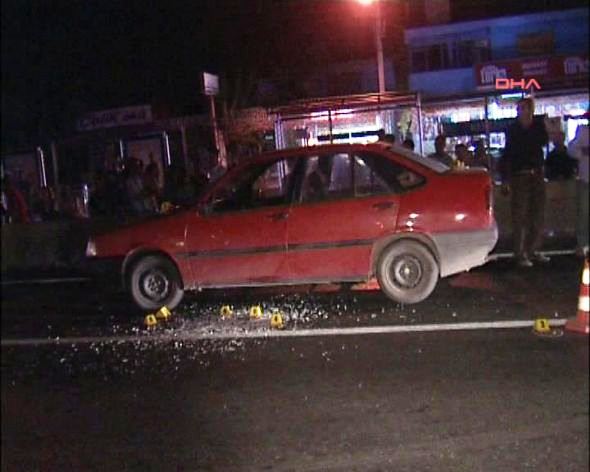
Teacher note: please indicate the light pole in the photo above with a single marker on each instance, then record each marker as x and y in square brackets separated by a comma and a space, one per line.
[378, 42]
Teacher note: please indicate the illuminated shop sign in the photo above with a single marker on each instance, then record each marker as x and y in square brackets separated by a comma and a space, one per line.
[116, 117]
[509, 84]
[552, 70]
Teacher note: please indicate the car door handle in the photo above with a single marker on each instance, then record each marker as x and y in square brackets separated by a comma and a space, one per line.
[383, 205]
[280, 216]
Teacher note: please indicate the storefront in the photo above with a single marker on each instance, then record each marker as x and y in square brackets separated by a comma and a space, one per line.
[349, 119]
[467, 120]
[558, 84]
[103, 143]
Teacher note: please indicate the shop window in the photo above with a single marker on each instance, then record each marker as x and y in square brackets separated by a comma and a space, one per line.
[482, 51]
[436, 57]
[468, 53]
[430, 58]
[419, 63]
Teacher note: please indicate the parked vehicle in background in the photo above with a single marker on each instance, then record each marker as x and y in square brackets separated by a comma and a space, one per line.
[337, 213]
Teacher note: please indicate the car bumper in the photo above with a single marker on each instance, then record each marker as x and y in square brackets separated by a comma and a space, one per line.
[463, 251]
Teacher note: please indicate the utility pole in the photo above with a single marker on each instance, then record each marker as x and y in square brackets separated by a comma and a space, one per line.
[379, 45]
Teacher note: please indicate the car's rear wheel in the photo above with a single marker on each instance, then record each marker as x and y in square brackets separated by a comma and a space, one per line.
[154, 282]
[407, 272]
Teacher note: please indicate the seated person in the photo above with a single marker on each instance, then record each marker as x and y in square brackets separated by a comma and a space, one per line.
[318, 182]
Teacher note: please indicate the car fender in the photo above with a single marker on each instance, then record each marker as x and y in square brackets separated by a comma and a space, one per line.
[382, 243]
[136, 253]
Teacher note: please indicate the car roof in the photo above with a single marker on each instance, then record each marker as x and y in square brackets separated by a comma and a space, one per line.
[326, 149]
[313, 150]
[321, 150]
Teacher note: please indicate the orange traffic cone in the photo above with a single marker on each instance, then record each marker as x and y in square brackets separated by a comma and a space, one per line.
[580, 322]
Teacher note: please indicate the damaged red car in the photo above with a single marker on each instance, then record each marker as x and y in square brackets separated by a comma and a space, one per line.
[325, 214]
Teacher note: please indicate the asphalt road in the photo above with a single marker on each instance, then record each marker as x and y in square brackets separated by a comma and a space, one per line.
[174, 398]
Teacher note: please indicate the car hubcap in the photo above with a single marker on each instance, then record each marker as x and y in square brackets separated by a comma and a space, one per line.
[406, 271]
[155, 285]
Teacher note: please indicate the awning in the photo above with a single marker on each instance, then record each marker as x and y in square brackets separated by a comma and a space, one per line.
[364, 102]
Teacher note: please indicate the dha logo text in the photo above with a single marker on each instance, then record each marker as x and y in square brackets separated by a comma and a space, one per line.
[509, 84]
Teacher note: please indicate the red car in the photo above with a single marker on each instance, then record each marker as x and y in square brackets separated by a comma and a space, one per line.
[337, 213]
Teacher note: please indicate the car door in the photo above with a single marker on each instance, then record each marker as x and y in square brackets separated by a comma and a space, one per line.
[331, 230]
[241, 238]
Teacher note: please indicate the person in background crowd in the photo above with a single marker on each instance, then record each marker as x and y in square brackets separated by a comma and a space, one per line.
[178, 190]
[115, 191]
[523, 177]
[559, 164]
[199, 182]
[216, 173]
[17, 210]
[3, 206]
[70, 204]
[134, 188]
[23, 184]
[44, 205]
[318, 182]
[206, 157]
[480, 156]
[152, 168]
[579, 150]
[151, 188]
[100, 198]
[440, 144]
[409, 143]
[382, 137]
[462, 154]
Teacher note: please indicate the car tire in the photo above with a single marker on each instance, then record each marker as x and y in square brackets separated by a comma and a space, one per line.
[407, 272]
[154, 282]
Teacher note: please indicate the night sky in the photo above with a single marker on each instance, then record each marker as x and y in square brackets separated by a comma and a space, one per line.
[63, 58]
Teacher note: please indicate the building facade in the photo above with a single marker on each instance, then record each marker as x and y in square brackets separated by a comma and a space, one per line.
[471, 74]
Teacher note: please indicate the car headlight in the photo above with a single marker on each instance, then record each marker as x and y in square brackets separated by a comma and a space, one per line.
[91, 248]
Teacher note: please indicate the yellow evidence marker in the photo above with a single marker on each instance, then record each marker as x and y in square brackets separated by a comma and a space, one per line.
[541, 326]
[255, 312]
[163, 313]
[276, 320]
[226, 311]
[150, 320]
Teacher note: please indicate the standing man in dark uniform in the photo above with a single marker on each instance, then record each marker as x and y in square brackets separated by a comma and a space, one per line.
[523, 178]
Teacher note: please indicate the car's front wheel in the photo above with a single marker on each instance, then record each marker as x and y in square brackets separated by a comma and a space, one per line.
[154, 282]
[407, 272]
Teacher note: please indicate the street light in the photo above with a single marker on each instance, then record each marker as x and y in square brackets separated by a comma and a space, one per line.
[378, 41]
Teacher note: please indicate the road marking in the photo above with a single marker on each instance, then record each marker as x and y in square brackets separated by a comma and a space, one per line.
[201, 336]
[509, 255]
[46, 281]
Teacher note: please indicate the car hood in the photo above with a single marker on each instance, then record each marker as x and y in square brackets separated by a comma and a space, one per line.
[162, 231]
